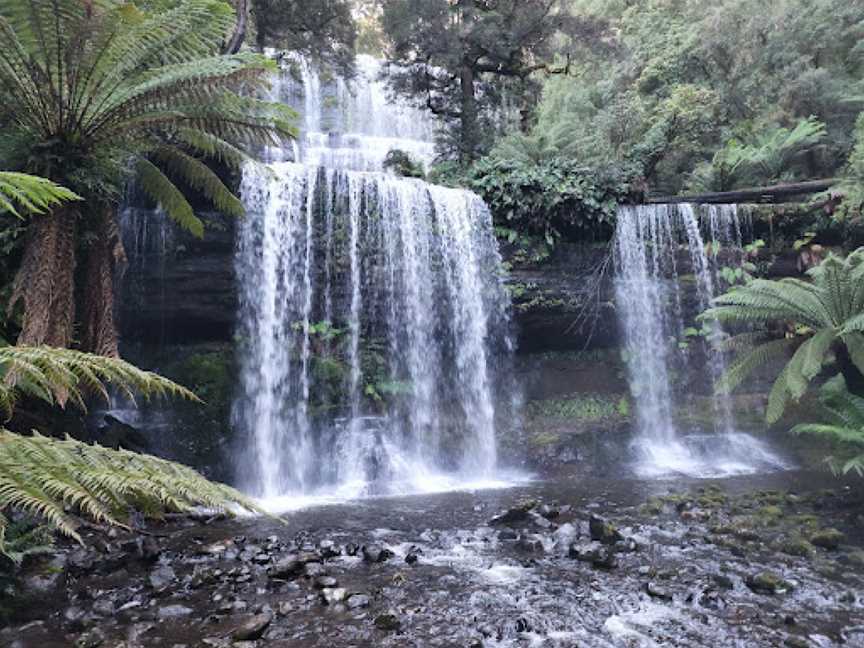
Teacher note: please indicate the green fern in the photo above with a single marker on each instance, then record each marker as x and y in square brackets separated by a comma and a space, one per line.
[826, 311]
[58, 376]
[32, 193]
[120, 81]
[58, 480]
[843, 426]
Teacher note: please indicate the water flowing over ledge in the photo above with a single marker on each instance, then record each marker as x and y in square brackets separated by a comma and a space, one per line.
[650, 298]
[373, 316]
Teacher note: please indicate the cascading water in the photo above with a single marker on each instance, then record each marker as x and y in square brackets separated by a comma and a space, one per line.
[652, 302]
[372, 308]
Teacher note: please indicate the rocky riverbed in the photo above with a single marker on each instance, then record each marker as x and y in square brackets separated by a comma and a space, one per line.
[740, 562]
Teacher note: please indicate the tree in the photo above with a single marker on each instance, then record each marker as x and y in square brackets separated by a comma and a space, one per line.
[94, 94]
[324, 30]
[822, 322]
[448, 53]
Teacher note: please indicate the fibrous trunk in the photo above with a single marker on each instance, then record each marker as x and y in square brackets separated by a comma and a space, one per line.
[45, 283]
[105, 256]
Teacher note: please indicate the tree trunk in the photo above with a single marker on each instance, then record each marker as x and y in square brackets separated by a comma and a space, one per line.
[105, 257]
[851, 373]
[236, 41]
[468, 113]
[45, 282]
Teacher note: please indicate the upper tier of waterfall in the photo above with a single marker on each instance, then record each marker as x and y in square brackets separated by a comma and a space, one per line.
[373, 316]
[655, 247]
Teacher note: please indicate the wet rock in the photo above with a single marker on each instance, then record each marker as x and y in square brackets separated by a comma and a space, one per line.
[595, 552]
[91, 639]
[161, 577]
[81, 561]
[549, 512]
[657, 591]
[252, 628]
[103, 607]
[351, 549]
[388, 622]
[539, 521]
[313, 570]
[286, 569]
[325, 581]
[173, 611]
[602, 530]
[767, 582]
[357, 601]
[722, 581]
[413, 555]
[332, 595]
[508, 535]
[796, 642]
[519, 514]
[627, 545]
[75, 618]
[376, 554]
[328, 549]
[827, 538]
[530, 545]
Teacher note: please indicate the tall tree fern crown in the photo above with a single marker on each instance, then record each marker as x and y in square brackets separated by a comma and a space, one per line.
[93, 90]
[823, 324]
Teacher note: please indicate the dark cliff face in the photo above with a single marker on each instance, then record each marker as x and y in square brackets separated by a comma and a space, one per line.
[180, 289]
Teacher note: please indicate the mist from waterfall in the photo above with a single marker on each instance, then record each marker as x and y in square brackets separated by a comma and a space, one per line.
[373, 317]
[657, 248]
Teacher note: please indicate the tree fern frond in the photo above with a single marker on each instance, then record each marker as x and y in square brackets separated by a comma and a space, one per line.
[42, 476]
[757, 357]
[59, 375]
[200, 177]
[816, 350]
[156, 185]
[33, 193]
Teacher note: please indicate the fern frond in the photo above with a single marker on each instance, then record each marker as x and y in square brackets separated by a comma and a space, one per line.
[43, 477]
[34, 194]
[156, 185]
[757, 357]
[60, 375]
[200, 177]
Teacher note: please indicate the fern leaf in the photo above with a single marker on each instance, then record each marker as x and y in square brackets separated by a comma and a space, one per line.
[163, 191]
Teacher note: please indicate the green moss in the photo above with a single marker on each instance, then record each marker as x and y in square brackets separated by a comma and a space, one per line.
[797, 546]
[828, 538]
[583, 408]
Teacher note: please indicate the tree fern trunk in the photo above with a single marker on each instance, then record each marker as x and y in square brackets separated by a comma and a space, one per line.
[45, 282]
[104, 258]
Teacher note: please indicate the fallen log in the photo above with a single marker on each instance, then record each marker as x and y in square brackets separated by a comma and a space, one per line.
[773, 194]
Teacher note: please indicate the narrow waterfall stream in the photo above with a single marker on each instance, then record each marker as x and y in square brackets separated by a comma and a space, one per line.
[372, 309]
[653, 302]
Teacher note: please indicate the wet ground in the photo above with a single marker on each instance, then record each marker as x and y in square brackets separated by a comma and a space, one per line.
[774, 560]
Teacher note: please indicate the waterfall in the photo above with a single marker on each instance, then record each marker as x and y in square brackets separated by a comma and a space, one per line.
[660, 250]
[372, 314]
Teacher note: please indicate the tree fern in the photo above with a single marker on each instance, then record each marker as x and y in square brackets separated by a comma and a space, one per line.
[32, 193]
[94, 93]
[826, 313]
[58, 480]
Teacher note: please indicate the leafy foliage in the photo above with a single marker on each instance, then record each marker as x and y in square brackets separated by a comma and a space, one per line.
[844, 425]
[768, 159]
[43, 477]
[58, 376]
[46, 477]
[853, 177]
[553, 198]
[32, 193]
[823, 325]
